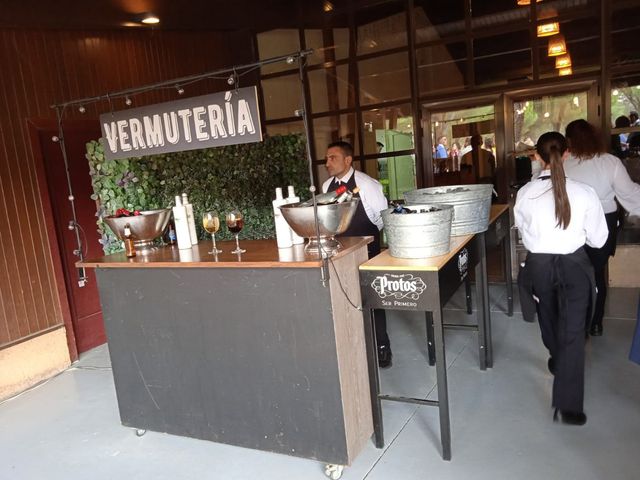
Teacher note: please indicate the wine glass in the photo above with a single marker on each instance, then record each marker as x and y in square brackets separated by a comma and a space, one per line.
[235, 222]
[211, 223]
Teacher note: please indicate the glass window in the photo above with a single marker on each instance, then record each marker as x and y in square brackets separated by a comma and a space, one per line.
[285, 128]
[396, 174]
[582, 40]
[535, 116]
[452, 146]
[490, 15]
[441, 67]
[435, 20]
[384, 78]
[275, 43]
[330, 88]
[625, 98]
[387, 129]
[282, 96]
[381, 28]
[502, 58]
[328, 45]
[625, 32]
[331, 129]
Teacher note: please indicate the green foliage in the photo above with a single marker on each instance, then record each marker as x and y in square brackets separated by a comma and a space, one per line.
[224, 178]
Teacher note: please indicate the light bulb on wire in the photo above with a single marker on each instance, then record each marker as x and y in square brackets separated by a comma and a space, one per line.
[81, 109]
[127, 101]
[180, 90]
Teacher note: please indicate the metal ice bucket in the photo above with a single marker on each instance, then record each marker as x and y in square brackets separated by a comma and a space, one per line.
[145, 228]
[333, 219]
[471, 204]
[423, 234]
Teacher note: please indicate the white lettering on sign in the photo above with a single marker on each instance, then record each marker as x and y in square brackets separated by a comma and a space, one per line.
[399, 286]
[210, 121]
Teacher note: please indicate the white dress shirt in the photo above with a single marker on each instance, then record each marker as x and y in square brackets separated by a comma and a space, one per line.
[609, 178]
[535, 217]
[371, 196]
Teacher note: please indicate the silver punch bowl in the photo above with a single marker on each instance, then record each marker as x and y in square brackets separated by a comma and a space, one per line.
[145, 228]
[333, 219]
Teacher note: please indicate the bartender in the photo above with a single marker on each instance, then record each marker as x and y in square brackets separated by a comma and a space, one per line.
[366, 221]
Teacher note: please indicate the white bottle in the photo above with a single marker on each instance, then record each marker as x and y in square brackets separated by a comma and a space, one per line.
[192, 222]
[283, 232]
[182, 224]
[292, 198]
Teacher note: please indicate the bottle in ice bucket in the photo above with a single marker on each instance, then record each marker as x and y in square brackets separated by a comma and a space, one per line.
[129, 249]
[326, 198]
[348, 195]
[401, 209]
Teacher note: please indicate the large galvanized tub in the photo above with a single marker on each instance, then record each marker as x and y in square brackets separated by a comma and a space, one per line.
[425, 233]
[471, 204]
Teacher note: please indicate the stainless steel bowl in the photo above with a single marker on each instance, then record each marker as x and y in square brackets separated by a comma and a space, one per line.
[333, 220]
[145, 228]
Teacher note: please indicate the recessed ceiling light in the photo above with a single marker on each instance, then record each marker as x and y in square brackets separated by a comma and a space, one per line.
[150, 19]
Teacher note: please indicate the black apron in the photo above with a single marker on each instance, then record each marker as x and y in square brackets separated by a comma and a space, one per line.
[360, 225]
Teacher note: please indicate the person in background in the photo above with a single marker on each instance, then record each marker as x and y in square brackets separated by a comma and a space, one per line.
[589, 163]
[556, 217]
[455, 156]
[619, 141]
[441, 148]
[633, 118]
[467, 147]
[481, 161]
[367, 220]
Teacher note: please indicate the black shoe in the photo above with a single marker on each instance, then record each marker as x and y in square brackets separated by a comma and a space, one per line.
[384, 356]
[551, 365]
[570, 418]
[596, 330]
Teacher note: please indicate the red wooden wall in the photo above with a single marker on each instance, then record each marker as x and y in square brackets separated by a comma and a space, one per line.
[39, 68]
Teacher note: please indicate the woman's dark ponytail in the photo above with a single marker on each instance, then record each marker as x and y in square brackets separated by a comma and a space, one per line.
[551, 146]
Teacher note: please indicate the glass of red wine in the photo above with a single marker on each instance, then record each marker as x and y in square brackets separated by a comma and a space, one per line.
[235, 222]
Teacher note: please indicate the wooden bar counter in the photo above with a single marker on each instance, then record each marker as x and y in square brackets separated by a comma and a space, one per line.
[248, 350]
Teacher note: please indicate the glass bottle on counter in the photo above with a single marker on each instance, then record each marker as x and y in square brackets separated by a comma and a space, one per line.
[129, 248]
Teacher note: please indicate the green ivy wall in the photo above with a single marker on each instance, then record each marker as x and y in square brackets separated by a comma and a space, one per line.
[237, 176]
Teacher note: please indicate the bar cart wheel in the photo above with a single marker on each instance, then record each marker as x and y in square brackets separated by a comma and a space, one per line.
[334, 472]
[140, 432]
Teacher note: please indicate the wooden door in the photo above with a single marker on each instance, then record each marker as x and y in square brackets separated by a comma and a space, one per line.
[83, 301]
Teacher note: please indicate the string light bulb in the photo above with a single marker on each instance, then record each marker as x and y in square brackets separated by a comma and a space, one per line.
[231, 80]
[81, 109]
[127, 101]
[557, 46]
[563, 61]
[548, 29]
[180, 90]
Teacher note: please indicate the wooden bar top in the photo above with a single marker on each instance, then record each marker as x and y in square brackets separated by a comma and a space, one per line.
[497, 210]
[259, 254]
[384, 261]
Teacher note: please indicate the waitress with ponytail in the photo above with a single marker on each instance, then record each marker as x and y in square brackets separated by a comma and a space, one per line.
[557, 217]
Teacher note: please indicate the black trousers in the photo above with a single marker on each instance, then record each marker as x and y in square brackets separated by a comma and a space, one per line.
[599, 258]
[564, 293]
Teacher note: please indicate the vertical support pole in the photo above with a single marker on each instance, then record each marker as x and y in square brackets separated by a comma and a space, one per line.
[508, 278]
[431, 353]
[484, 314]
[443, 392]
[467, 293]
[374, 379]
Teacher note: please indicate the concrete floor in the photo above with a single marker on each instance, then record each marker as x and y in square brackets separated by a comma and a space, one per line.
[68, 428]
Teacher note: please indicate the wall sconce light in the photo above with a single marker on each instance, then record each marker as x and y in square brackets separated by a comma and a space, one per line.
[557, 46]
[565, 71]
[527, 2]
[150, 19]
[563, 61]
[548, 29]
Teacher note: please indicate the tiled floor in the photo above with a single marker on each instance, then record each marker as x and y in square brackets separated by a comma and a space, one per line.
[69, 429]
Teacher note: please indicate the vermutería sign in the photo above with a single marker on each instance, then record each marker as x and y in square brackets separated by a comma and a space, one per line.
[223, 118]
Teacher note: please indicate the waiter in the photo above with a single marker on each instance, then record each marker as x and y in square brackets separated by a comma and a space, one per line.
[557, 217]
[366, 221]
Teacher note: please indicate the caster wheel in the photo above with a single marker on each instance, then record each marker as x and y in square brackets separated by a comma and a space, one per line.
[334, 472]
[140, 432]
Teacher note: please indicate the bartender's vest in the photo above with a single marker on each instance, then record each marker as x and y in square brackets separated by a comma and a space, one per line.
[360, 224]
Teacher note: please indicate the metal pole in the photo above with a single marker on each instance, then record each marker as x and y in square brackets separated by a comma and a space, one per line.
[73, 225]
[324, 269]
